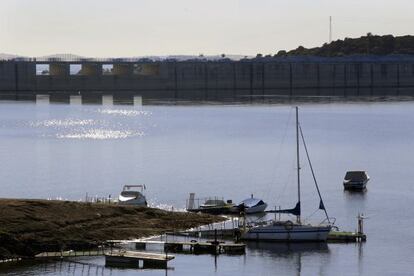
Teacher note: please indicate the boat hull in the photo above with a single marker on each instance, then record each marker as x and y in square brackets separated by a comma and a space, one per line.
[355, 185]
[256, 209]
[212, 210]
[140, 201]
[288, 233]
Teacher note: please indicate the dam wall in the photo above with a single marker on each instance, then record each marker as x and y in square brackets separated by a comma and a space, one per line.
[210, 80]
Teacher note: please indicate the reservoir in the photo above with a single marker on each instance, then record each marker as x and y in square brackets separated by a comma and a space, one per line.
[65, 151]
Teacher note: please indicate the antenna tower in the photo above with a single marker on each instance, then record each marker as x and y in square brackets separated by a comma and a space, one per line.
[330, 29]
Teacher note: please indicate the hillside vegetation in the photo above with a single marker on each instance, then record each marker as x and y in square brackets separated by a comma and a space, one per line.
[365, 45]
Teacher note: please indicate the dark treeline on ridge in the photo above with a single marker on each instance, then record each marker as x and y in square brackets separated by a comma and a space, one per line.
[365, 45]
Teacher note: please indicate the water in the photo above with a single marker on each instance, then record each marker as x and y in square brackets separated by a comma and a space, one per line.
[64, 151]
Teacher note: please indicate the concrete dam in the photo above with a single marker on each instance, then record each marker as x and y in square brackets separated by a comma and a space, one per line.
[204, 80]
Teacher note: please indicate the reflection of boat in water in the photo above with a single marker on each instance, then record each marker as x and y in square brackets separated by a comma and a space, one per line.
[133, 195]
[292, 254]
[289, 231]
[356, 180]
[281, 248]
[209, 206]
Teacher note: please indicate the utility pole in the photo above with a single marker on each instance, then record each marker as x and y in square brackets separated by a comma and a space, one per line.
[330, 29]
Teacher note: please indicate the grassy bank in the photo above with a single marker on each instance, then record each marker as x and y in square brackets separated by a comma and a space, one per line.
[31, 226]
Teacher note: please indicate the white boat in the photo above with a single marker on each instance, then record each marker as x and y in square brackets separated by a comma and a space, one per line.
[214, 205]
[288, 231]
[133, 195]
[251, 206]
[356, 180]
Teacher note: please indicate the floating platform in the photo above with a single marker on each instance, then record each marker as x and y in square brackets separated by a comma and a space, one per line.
[345, 237]
[11, 260]
[135, 259]
[70, 253]
[333, 237]
[196, 247]
[221, 233]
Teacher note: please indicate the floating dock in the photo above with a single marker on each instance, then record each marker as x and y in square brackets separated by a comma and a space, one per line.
[69, 253]
[214, 247]
[220, 233]
[137, 259]
[333, 237]
[121, 258]
[11, 260]
[345, 237]
[209, 247]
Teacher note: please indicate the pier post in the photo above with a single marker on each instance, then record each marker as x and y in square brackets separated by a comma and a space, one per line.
[361, 224]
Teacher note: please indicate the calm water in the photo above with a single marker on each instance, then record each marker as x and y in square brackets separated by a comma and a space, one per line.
[51, 151]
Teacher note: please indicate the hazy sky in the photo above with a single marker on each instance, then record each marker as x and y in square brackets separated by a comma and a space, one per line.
[162, 27]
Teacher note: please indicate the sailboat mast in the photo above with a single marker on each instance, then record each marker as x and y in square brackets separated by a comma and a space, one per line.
[298, 159]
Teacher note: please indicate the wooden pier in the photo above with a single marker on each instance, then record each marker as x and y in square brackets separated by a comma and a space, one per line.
[196, 247]
[69, 253]
[333, 237]
[10, 260]
[117, 257]
[345, 237]
[220, 233]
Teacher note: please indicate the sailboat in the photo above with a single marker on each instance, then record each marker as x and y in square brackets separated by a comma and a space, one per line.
[288, 231]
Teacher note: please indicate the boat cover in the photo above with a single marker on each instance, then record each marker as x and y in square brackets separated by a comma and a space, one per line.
[251, 202]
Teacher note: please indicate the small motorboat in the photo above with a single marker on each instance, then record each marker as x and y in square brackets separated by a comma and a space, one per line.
[213, 206]
[250, 206]
[133, 195]
[356, 180]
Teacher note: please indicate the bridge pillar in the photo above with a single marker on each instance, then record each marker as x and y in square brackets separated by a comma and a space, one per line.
[42, 99]
[107, 100]
[75, 99]
[138, 100]
[59, 69]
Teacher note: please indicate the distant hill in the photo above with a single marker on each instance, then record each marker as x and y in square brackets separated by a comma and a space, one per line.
[73, 57]
[61, 57]
[369, 45]
[4, 56]
[365, 45]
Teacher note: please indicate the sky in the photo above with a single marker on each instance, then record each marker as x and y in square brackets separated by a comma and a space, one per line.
[108, 28]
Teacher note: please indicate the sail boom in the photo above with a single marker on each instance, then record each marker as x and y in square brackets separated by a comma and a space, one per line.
[295, 211]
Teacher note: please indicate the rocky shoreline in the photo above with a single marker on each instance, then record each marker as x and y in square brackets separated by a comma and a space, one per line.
[28, 227]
